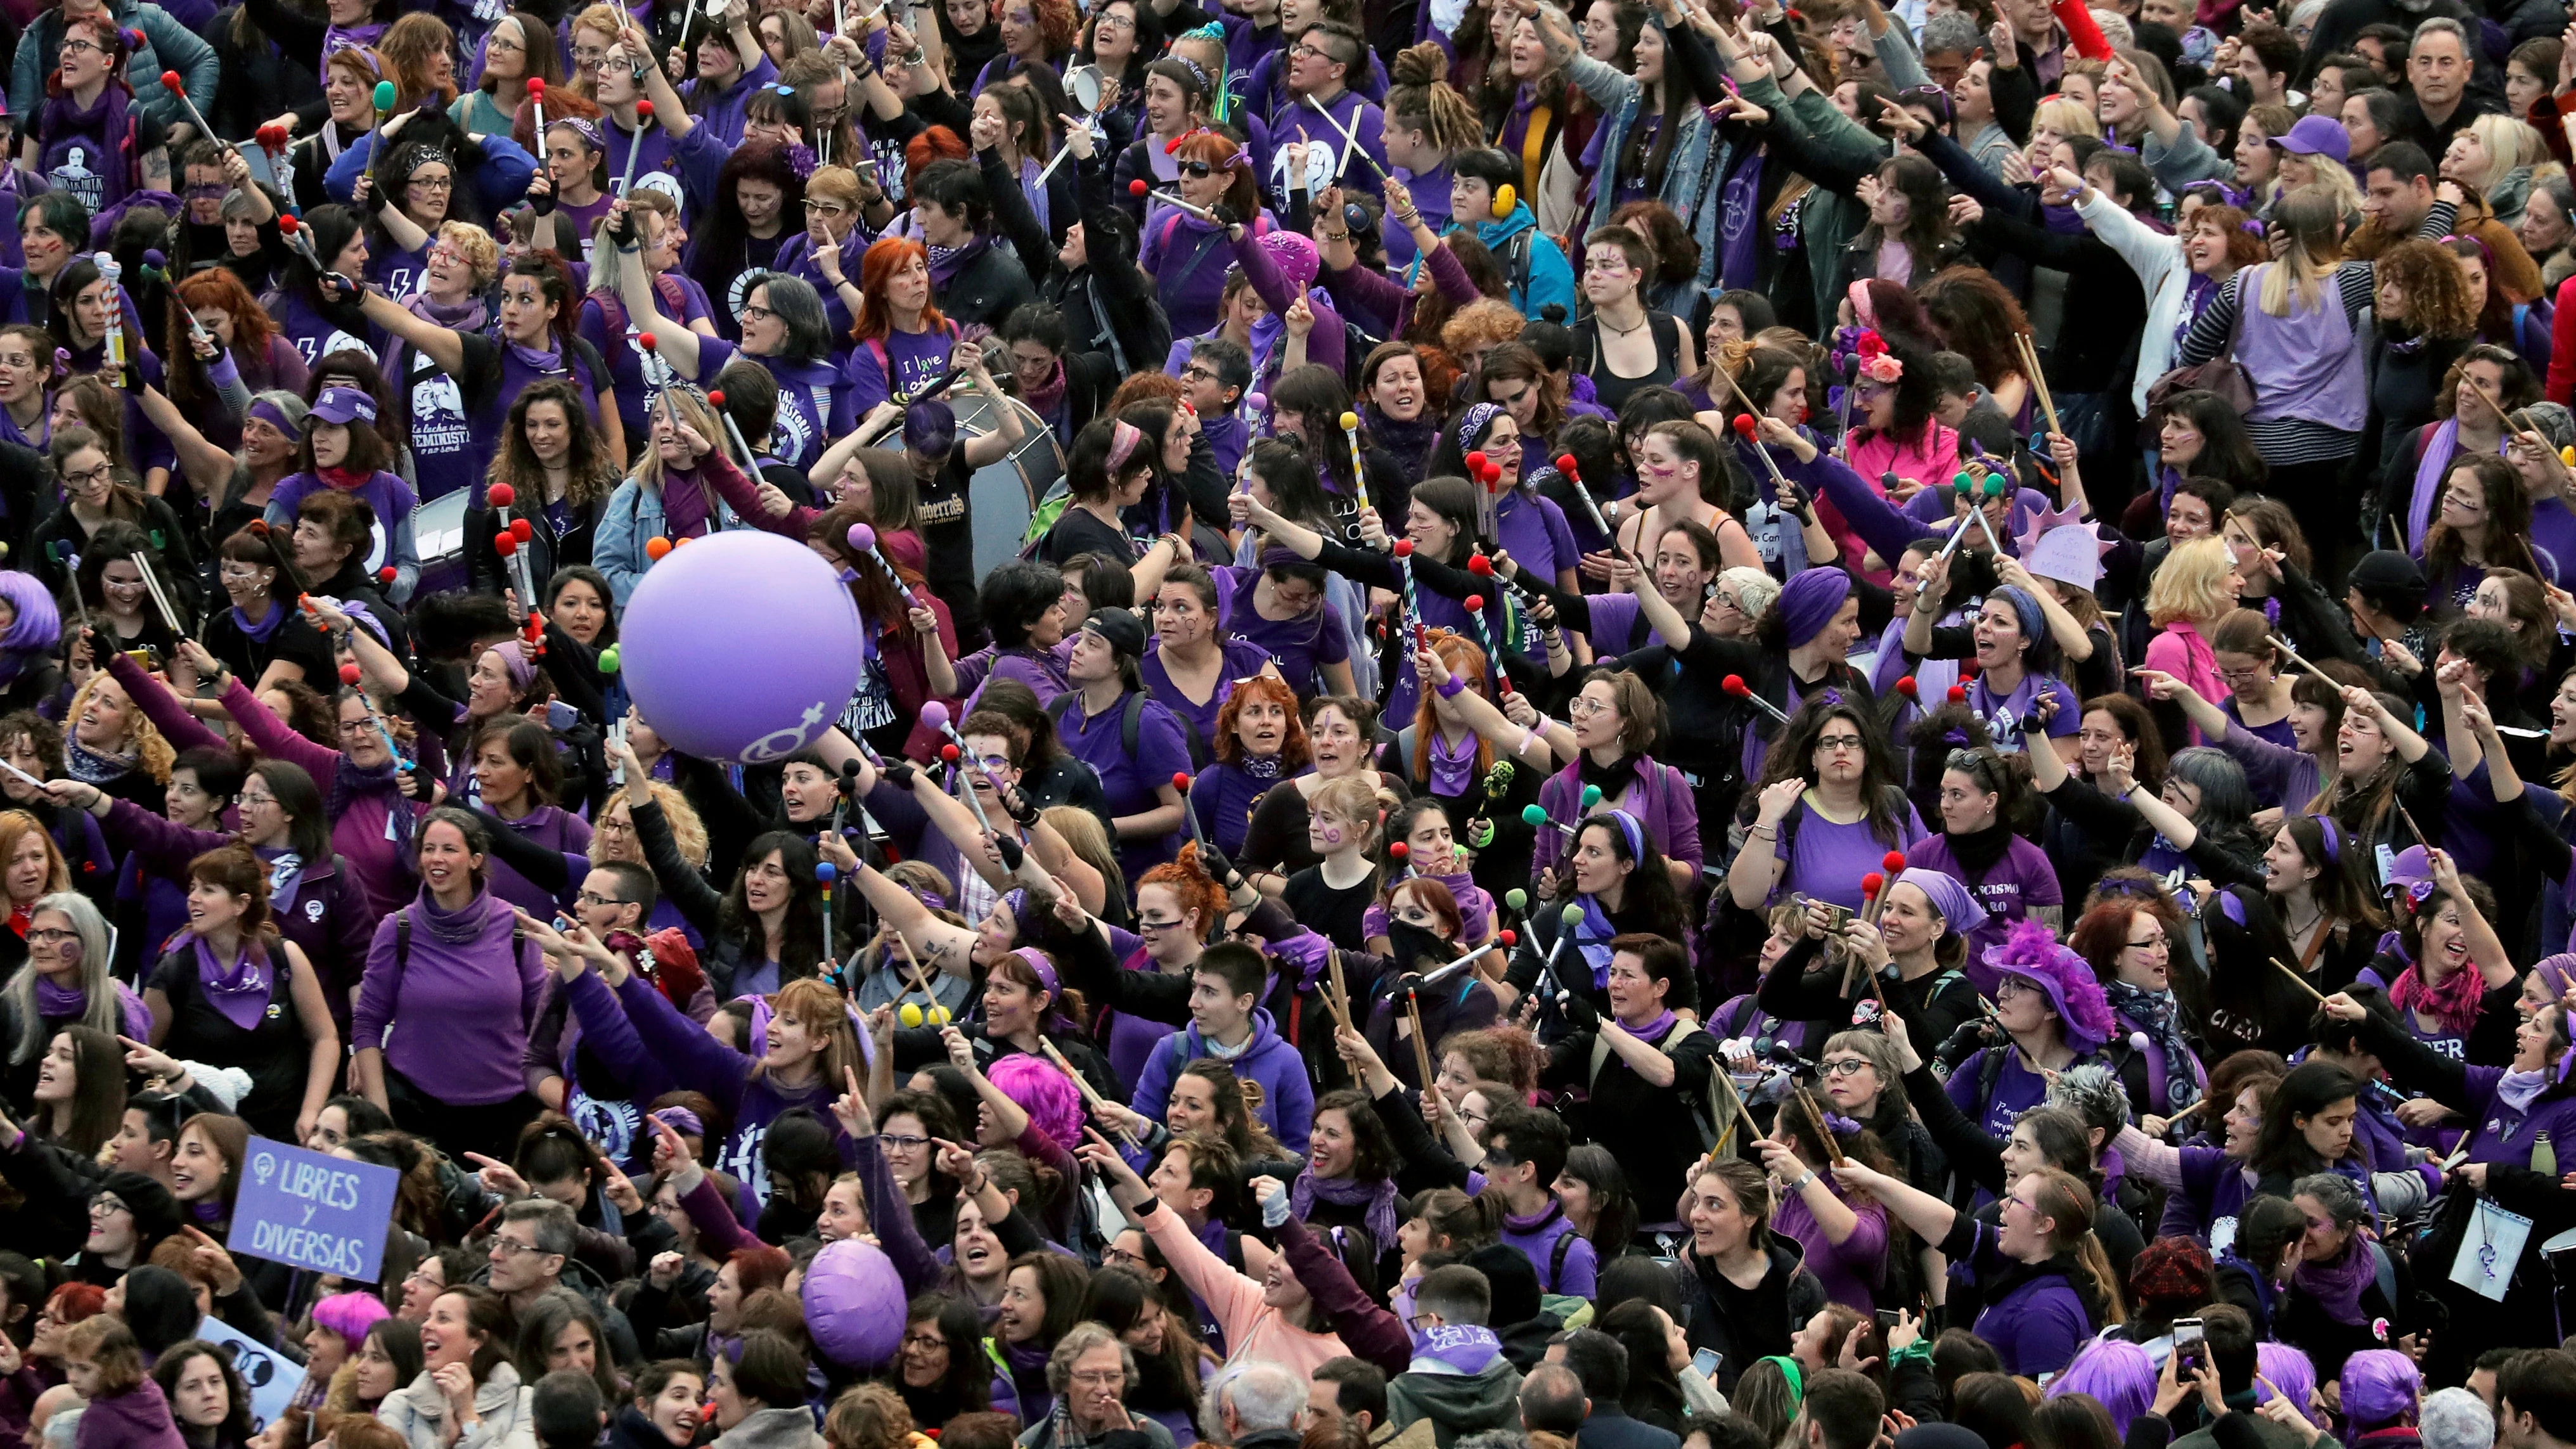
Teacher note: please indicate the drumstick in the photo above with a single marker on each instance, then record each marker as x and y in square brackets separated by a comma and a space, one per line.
[2421, 838]
[1421, 1053]
[1823, 1129]
[2277, 642]
[2038, 382]
[2288, 971]
[912, 963]
[1099, 1108]
[1339, 997]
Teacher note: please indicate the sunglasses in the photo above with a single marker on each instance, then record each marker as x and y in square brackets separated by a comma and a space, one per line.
[1197, 170]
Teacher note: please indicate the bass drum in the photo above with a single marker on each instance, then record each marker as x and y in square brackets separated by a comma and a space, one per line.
[1006, 491]
[438, 530]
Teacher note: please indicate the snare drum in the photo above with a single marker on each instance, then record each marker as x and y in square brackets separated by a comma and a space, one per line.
[2559, 1253]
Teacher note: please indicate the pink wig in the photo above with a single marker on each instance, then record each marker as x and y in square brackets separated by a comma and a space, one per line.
[350, 1315]
[1053, 1103]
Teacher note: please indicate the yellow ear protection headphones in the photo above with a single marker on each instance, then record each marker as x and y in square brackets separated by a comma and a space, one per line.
[1505, 199]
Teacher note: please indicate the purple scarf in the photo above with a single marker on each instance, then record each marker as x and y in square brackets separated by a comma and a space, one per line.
[1469, 1348]
[240, 991]
[466, 316]
[684, 503]
[56, 1002]
[2337, 1285]
[1379, 1196]
[2429, 470]
[261, 631]
[549, 361]
[947, 262]
[1452, 775]
[338, 38]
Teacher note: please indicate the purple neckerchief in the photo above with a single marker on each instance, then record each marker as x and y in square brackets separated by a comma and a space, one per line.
[1654, 1030]
[2063, 220]
[2428, 482]
[947, 262]
[1452, 775]
[550, 360]
[2196, 294]
[261, 631]
[240, 991]
[1466, 1349]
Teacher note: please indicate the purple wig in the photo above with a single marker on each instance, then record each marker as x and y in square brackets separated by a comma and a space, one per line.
[2381, 1387]
[2289, 1370]
[36, 626]
[1053, 1103]
[350, 1315]
[2121, 1375]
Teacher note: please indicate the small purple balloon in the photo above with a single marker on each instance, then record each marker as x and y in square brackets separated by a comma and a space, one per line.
[862, 538]
[935, 715]
[1257, 401]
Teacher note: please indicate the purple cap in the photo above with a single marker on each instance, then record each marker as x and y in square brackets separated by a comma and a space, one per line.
[342, 405]
[2317, 136]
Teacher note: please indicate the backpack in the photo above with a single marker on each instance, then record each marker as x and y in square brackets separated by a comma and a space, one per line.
[1712, 1106]
[1131, 720]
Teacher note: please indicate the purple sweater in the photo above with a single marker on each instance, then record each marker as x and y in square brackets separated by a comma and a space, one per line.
[609, 1112]
[454, 1017]
[1536, 1238]
[1661, 800]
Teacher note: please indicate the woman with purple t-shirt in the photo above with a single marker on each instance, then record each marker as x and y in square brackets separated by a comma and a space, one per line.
[2210, 1185]
[344, 454]
[2012, 878]
[1193, 668]
[2050, 1014]
[1258, 740]
[1280, 609]
[2015, 692]
[1845, 1235]
[1830, 808]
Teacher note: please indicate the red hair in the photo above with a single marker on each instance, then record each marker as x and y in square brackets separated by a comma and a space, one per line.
[220, 289]
[885, 257]
[938, 143]
[1242, 193]
[1294, 749]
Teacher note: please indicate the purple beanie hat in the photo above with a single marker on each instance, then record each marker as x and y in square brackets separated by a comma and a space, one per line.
[2032, 953]
[2380, 1387]
[1808, 601]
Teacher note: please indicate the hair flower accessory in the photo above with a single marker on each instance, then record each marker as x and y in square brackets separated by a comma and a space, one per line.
[800, 159]
[1880, 367]
[1871, 344]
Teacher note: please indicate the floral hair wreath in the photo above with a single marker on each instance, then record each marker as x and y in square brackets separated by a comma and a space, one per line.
[1882, 367]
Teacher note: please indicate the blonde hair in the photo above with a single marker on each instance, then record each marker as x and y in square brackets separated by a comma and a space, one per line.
[151, 752]
[2334, 179]
[2509, 143]
[1754, 588]
[688, 832]
[1089, 839]
[482, 255]
[833, 183]
[2310, 219]
[2067, 117]
[689, 406]
[2192, 582]
[1487, 321]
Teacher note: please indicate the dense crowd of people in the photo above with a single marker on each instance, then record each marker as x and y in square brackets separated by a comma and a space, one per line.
[1697, 700]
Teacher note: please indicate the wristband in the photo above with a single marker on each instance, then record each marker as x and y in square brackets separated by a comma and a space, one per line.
[1451, 687]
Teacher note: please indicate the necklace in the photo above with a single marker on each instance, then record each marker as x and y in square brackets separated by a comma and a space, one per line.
[2316, 917]
[1642, 320]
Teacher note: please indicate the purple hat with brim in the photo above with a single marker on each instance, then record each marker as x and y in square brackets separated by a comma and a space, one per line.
[2031, 952]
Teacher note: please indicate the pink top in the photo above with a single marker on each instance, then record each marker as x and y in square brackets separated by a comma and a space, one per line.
[1253, 1329]
[2181, 652]
[1929, 459]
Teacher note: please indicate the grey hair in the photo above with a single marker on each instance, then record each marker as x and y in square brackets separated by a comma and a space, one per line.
[1083, 1339]
[2115, 28]
[1493, 1439]
[2439, 24]
[2307, 13]
[2455, 1419]
[1755, 588]
[554, 1220]
[103, 1006]
[2340, 1196]
[1948, 32]
[1266, 1397]
[2093, 1093]
[2226, 803]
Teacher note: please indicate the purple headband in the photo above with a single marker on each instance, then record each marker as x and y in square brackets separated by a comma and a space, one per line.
[274, 416]
[588, 131]
[1628, 827]
[759, 1024]
[1475, 420]
[514, 657]
[1045, 969]
[682, 1121]
[1198, 70]
[2334, 837]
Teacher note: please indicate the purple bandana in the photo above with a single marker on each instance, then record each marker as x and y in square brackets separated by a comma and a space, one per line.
[240, 991]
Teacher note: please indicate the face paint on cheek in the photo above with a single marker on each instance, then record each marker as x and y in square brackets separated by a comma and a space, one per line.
[1332, 837]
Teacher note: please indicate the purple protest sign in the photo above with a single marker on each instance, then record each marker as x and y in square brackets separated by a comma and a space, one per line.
[306, 1210]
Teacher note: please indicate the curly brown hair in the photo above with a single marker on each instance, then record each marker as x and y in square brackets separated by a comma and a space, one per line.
[2436, 290]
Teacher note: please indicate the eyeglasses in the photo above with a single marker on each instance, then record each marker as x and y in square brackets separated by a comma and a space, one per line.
[1114, 22]
[78, 46]
[925, 1341]
[512, 1247]
[1099, 1378]
[105, 1206]
[825, 208]
[1115, 1256]
[754, 312]
[1838, 742]
[90, 477]
[494, 42]
[594, 898]
[433, 183]
[902, 1142]
[1844, 1066]
[1196, 170]
[247, 800]
[50, 937]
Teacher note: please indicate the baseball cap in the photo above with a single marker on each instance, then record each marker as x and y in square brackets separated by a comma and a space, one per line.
[1124, 631]
[342, 405]
[2317, 136]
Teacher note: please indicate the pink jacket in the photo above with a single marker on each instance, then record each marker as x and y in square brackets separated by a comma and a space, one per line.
[1929, 460]
[1253, 1329]
[2180, 651]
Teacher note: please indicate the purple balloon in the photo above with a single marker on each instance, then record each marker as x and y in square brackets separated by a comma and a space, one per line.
[854, 1304]
[744, 648]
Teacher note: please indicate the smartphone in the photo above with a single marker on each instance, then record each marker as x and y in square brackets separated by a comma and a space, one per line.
[1705, 1362]
[147, 656]
[2188, 1336]
[1890, 1317]
[1839, 918]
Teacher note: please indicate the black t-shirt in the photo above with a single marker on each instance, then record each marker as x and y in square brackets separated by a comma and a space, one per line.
[1080, 531]
[1333, 914]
